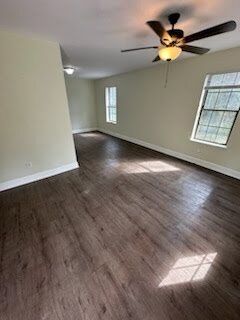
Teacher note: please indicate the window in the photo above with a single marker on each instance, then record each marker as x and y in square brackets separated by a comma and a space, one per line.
[218, 110]
[111, 104]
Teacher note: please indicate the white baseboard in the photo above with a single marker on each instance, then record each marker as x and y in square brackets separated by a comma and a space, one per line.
[182, 156]
[83, 130]
[37, 176]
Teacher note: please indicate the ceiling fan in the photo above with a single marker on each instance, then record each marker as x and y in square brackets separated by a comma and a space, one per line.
[174, 42]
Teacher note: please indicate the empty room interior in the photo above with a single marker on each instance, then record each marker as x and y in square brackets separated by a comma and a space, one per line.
[120, 160]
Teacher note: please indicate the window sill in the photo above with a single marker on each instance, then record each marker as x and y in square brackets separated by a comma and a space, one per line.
[209, 143]
[110, 122]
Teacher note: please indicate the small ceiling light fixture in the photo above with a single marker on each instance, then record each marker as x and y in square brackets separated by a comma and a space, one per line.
[69, 70]
[169, 53]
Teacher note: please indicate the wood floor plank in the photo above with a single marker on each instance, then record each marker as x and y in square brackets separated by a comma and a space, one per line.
[131, 234]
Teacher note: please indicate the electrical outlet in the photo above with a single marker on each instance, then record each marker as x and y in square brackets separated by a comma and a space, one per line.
[28, 164]
[198, 150]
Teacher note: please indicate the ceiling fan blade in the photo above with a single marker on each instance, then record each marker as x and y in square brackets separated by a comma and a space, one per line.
[156, 59]
[213, 31]
[194, 49]
[158, 28]
[142, 48]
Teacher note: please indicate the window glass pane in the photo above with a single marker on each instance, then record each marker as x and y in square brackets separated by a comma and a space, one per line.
[111, 97]
[215, 80]
[227, 79]
[228, 119]
[112, 114]
[222, 100]
[205, 117]
[109, 115]
[211, 99]
[211, 134]
[107, 97]
[222, 136]
[114, 96]
[234, 101]
[216, 118]
[114, 117]
[201, 132]
[237, 82]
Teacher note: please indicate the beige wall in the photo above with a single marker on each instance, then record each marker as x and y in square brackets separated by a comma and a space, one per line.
[34, 119]
[165, 116]
[81, 101]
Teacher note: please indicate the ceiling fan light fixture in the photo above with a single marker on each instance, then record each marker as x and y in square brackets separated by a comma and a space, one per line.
[174, 41]
[69, 70]
[169, 53]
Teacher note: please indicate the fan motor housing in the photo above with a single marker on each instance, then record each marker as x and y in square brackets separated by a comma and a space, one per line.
[176, 33]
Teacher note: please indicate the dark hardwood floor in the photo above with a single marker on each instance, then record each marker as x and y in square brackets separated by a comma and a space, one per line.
[131, 234]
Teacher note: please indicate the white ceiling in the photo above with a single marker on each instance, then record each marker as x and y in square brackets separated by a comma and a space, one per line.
[92, 32]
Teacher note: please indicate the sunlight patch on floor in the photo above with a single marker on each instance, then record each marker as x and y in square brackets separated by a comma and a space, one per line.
[90, 134]
[189, 269]
[152, 166]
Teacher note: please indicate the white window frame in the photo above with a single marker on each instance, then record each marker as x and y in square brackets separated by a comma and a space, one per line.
[107, 107]
[201, 106]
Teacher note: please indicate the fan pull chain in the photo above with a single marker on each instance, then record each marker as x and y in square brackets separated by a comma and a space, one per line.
[167, 72]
